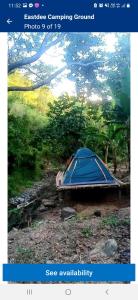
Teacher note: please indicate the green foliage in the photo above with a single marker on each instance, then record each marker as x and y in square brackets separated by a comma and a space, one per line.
[84, 48]
[87, 232]
[14, 217]
[20, 179]
[26, 147]
[24, 255]
[36, 224]
[66, 126]
[112, 221]
[125, 222]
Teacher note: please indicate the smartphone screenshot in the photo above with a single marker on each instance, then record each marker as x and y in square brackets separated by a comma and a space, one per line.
[68, 162]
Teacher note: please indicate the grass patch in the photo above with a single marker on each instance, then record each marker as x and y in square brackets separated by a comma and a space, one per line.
[87, 232]
[20, 180]
[112, 221]
[36, 224]
[25, 255]
[125, 222]
[77, 218]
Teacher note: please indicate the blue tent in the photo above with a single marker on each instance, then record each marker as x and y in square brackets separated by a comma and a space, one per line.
[86, 168]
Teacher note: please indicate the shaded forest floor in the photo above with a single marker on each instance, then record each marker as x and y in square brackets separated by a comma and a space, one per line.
[80, 239]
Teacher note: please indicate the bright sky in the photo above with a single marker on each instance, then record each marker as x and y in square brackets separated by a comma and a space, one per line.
[55, 56]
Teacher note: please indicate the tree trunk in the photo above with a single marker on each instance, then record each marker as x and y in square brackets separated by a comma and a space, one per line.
[114, 160]
[106, 153]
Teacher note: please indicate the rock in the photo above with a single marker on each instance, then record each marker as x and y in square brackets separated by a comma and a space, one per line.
[26, 230]
[110, 247]
[67, 212]
[10, 241]
[48, 262]
[104, 249]
[97, 250]
[48, 203]
[97, 213]
[12, 261]
[15, 229]
[31, 194]
[124, 213]
[42, 208]
[125, 256]
[53, 198]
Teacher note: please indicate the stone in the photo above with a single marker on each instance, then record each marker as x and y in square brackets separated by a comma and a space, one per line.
[104, 249]
[53, 198]
[124, 213]
[48, 203]
[48, 262]
[126, 254]
[97, 213]
[10, 241]
[67, 212]
[98, 250]
[26, 230]
[12, 261]
[31, 194]
[110, 247]
[15, 229]
[42, 208]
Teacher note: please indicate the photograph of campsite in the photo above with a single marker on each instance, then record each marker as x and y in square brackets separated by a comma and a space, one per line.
[69, 148]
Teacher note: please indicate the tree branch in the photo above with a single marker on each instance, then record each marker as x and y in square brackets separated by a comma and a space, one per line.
[89, 64]
[35, 57]
[37, 85]
[48, 80]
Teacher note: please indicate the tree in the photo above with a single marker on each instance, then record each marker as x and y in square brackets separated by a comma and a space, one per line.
[66, 126]
[92, 63]
[21, 54]
[120, 87]
[85, 58]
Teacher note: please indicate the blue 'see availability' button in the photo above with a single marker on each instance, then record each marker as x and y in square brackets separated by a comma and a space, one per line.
[69, 272]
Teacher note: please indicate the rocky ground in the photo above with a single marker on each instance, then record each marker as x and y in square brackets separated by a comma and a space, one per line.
[77, 240]
[86, 232]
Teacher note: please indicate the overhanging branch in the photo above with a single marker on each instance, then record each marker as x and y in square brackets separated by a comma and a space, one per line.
[37, 85]
[36, 56]
[51, 77]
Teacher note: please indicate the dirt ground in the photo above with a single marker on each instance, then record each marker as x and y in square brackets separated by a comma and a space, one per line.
[80, 239]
